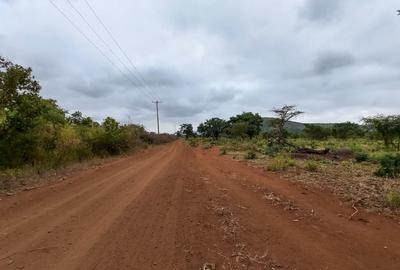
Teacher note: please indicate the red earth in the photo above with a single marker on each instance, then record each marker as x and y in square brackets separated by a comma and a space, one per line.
[177, 207]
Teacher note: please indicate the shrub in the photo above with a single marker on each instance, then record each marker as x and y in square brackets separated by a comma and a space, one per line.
[207, 146]
[389, 166]
[250, 155]
[312, 166]
[393, 199]
[361, 157]
[192, 142]
[272, 151]
[280, 163]
[222, 151]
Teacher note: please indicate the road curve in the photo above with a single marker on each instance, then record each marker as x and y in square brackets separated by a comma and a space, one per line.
[176, 207]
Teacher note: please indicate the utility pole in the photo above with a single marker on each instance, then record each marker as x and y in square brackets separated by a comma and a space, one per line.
[158, 119]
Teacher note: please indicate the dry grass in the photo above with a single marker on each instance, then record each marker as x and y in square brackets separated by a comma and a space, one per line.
[351, 180]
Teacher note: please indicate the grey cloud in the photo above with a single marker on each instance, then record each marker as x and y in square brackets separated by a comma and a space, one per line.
[329, 61]
[321, 10]
[208, 58]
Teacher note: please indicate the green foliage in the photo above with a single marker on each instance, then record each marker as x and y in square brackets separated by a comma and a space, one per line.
[312, 166]
[280, 163]
[317, 132]
[213, 128]
[35, 132]
[347, 130]
[192, 142]
[247, 124]
[272, 150]
[187, 131]
[389, 166]
[387, 127]
[239, 130]
[361, 156]
[393, 199]
[250, 155]
[278, 134]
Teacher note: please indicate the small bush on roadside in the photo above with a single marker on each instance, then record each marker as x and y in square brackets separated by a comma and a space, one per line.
[389, 166]
[192, 143]
[361, 157]
[393, 199]
[280, 163]
[312, 166]
[250, 155]
[207, 146]
[272, 151]
[222, 151]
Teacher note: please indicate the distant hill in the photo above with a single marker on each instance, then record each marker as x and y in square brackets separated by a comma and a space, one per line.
[292, 126]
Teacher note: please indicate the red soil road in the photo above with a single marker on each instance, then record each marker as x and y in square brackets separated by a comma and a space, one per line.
[176, 207]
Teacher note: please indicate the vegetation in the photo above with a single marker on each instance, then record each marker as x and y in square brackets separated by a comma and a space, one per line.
[213, 128]
[186, 130]
[280, 163]
[389, 166]
[35, 132]
[283, 115]
[359, 161]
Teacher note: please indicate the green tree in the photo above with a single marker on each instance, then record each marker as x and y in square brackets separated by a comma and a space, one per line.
[316, 132]
[388, 128]
[252, 123]
[283, 115]
[187, 130]
[347, 130]
[213, 128]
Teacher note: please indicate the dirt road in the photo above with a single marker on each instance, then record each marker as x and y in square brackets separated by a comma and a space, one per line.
[175, 207]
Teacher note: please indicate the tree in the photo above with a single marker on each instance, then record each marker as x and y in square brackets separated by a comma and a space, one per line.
[213, 128]
[347, 130]
[388, 128]
[316, 132]
[252, 123]
[283, 115]
[239, 129]
[187, 130]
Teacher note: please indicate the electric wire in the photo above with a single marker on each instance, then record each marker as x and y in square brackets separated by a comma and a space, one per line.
[96, 47]
[107, 46]
[121, 49]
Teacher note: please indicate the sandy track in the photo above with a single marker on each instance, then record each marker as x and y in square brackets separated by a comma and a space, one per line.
[175, 207]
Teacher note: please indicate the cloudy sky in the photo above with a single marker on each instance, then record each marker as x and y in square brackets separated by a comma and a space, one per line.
[337, 60]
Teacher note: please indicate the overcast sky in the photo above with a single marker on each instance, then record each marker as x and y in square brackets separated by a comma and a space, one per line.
[337, 60]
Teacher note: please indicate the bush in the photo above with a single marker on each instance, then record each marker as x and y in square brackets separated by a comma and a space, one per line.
[192, 143]
[361, 157]
[312, 166]
[393, 199]
[207, 146]
[280, 163]
[222, 151]
[389, 166]
[250, 155]
[272, 151]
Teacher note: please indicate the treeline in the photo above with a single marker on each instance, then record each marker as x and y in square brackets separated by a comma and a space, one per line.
[385, 128]
[35, 131]
[249, 125]
[245, 125]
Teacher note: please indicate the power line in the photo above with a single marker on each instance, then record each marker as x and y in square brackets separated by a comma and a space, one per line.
[106, 44]
[120, 47]
[94, 44]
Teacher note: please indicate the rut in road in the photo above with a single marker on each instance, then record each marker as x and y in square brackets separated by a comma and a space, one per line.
[176, 207]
